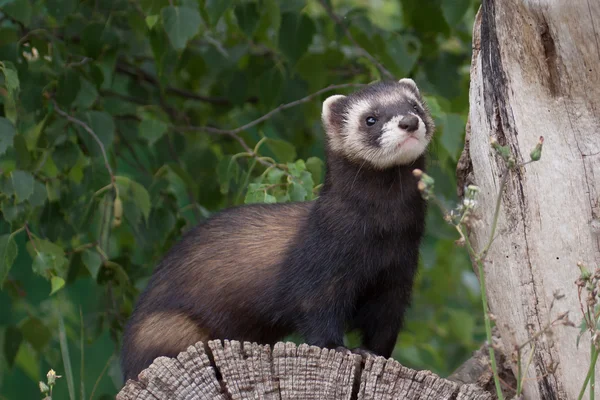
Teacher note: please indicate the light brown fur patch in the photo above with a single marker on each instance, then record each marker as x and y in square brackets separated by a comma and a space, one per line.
[172, 332]
[246, 256]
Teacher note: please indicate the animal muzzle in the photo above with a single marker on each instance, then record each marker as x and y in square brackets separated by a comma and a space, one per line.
[409, 123]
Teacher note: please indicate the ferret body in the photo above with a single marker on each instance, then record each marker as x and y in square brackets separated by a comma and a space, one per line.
[346, 260]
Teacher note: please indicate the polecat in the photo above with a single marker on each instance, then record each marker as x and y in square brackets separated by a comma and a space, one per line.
[343, 261]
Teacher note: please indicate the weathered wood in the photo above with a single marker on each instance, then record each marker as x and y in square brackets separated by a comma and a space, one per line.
[252, 371]
[535, 73]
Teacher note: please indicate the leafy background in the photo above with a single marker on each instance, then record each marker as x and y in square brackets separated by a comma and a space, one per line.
[163, 85]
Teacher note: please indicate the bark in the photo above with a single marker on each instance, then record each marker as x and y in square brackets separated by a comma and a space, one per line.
[536, 72]
[252, 371]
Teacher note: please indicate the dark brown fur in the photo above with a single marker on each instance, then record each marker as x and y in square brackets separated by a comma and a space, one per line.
[260, 272]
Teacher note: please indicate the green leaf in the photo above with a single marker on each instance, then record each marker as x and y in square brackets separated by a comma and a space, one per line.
[296, 168]
[181, 24]
[12, 341]
[56, 283]
[297, 192]
[87, 95]
[22, 182]
[274, 175]
[425, 16]
[92, 262]
[462, 325]
[39, 196]
[454, 10]
[7, 133]
[257, 193]
[91, 40]
[151, 20]
[404, 51]
[36, 333]
[65, 155]
[43, 263]
[583, 327]
[270, 20]
[315, 166]
[132, 191]
[434, 107]
[153, 6]
[48, 258]
[284, 151]
[271, 83]
[28, 361]
[292, 5]
[60, 9]
[152, 130]
[247, 16]
[216, 8]
[8, 254]
[295, 35]
[227, 170]
[19, 10]
[452, 136]
[23, 157]
[103, 126]
[11, 77]
[68, 87]
[14, 213]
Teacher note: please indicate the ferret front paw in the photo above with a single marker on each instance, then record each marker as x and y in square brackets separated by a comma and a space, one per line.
[364, 353]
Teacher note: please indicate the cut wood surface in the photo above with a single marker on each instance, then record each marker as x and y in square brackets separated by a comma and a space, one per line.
[536, 72]
[252, 371]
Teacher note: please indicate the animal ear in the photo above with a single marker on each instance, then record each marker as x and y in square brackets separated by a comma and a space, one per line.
[410, 83]
[328, 111]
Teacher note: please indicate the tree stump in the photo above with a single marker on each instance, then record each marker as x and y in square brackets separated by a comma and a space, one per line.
[252, 371]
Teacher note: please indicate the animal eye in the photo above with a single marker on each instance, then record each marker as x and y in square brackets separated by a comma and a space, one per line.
[371, 121]
[416, 107]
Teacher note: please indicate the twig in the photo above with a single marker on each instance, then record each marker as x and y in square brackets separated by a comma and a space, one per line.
[100, 376]
[268, 115]
[591, 372]
[339, 21]
[30, 237]
[81, 248]
[81, 367]
[81, 63]
[483, 252]
[486, 313]
[234, 132]
[545, 329]
[89, 130]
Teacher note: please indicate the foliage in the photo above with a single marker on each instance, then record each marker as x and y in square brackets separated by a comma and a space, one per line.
[118, 131]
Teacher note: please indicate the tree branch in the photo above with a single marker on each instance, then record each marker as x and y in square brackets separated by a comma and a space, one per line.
[268, 115]
[89, 130]
[234, 132]
[339, 21]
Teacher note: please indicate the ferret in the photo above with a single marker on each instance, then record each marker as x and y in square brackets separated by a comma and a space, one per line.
[346, 260]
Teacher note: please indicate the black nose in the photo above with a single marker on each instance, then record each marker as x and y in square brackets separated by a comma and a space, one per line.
[409, 123]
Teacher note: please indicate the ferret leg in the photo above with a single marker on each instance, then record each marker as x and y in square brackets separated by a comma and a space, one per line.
[323, 330]
[380, 320]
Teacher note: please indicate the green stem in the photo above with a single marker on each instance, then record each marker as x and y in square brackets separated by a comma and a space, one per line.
[590, 374]
[496, 214]
[64, 349]
[519, 374]
[486, 314]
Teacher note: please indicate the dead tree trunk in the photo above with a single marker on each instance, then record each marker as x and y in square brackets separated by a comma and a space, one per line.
[536, 72]
[304, 372]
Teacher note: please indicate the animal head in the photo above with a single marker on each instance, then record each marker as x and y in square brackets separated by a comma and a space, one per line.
[385, 124]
